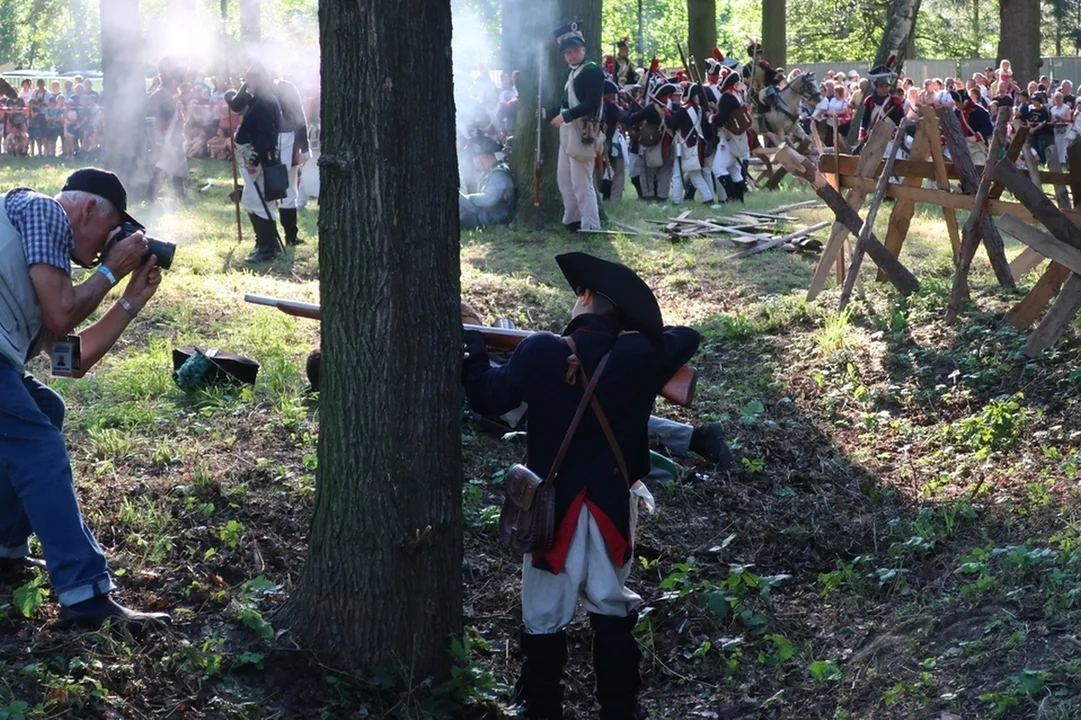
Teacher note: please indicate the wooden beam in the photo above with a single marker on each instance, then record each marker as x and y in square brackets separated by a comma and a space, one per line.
[901, 217]
[959, 290]
[1024, 313]
[866, 168]
[868, 224]
[1024, 263]
[1045, 244]
[1020, 137]
[926, 169]
[1062, 194]
[1073, 162]
[777, 242]
[962, 160]
[1034, 199]
[942, 179]
[956, 201]
[1058, 318]
[803, 168]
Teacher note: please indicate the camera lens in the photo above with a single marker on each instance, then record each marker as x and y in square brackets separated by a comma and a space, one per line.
[162, 249]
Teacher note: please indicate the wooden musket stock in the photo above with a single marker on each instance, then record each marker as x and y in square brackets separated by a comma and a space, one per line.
[679, 389]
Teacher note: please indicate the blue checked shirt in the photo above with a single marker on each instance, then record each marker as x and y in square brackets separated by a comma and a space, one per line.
[44, 227]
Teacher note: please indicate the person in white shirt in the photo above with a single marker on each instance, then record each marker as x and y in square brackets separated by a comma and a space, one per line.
[1061, 119]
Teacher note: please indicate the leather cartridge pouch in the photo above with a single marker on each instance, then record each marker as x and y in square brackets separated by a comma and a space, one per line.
[527, 522]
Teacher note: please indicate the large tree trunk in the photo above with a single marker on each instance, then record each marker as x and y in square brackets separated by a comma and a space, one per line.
[250, 29]
[774, 30]
[896, 43]
[382, 584]
[124, 85]
[1019, 37]
[701, 31]
[521, 31]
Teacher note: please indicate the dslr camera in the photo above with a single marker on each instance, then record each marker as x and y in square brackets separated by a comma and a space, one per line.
[162, 248]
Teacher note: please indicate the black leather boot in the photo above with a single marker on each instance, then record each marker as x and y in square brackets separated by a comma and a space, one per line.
[255, 226]
[93, 613]
[741, 189]
[178, 187]
[637, 182]
[152, 186]
[266, 240]
[539, 693]
[289, 225]
[615, 664]
[729, 188]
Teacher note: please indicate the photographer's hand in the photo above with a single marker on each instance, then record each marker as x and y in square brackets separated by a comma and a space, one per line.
[143, 284]
[126, 255]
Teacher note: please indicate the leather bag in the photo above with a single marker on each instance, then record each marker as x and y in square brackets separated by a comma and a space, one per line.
[739, 121]
[527, 521]
[275, 181]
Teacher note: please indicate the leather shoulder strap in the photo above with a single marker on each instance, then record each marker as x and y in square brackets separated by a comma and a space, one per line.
[602, 419]
[586, 397]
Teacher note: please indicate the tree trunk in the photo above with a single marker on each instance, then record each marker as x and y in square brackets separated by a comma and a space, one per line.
[1019, 37]
[701, 31]
[522, 31]
[381, 587]
[774, 41]
[250, 30]
[897, 42]
[121, 62]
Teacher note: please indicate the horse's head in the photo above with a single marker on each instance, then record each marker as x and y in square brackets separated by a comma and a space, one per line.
[806, 87]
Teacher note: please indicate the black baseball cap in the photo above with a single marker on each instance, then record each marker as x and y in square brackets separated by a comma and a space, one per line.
[104, 184]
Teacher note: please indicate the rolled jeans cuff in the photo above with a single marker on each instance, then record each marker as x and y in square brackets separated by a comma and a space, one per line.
[85, 591]
[14, 553]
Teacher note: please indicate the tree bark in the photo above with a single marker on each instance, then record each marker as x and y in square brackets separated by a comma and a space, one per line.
[250, 27]
[121, 62]
[381, 587]
[701, 32]
[1019, 37]
[774, 30]
[533, 42]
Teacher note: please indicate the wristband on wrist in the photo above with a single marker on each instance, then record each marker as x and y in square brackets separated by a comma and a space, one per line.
[108, 275]
[128, 308]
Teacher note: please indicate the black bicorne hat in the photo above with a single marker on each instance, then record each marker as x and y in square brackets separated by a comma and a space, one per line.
[618, 283]
[569, 36]
[610, 87]
[729, 80]
[482, 145]
[666, 90]
[623, 43]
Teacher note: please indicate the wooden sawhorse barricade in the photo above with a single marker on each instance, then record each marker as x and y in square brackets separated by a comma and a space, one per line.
[1050, 232]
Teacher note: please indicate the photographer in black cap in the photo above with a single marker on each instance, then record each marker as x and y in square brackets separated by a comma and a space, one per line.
[40, 237]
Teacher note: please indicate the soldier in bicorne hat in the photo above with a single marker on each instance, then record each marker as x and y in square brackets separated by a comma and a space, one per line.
[881, 103]
[731, 122]
[625, 73]
[615, 321]
[578, 119]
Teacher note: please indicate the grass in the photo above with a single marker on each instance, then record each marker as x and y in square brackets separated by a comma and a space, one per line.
[899, 538]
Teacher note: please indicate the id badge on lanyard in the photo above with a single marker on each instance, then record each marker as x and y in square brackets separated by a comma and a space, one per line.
[66, 356]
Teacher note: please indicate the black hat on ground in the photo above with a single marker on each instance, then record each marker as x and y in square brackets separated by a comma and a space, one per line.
[104, 184]
[618, 283]
[569, 36]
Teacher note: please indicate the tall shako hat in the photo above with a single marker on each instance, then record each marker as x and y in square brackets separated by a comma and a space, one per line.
[883, 74]
[569, 36]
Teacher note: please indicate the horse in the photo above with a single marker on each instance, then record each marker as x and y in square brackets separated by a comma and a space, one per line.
[779, 112]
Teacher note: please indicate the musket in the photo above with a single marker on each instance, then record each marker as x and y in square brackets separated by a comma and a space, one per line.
[679, 389]
[683, 59]
[538, 158]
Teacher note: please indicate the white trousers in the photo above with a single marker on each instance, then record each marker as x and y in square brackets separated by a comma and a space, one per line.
[575, 179]
[697, 178]
[550, 602]
[249, 199]
[285, 148]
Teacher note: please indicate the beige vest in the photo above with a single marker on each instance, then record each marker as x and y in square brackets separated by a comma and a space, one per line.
[20, 314]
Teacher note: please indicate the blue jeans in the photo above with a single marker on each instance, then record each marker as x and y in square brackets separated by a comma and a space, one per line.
[36, 491]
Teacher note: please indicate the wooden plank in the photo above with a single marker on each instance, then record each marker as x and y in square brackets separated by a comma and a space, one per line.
[1024, 313]
[1073, 162]
[1045, 244]
[777, 242]
[868, 225]
[866, 168]
[942, 179]
[901, 217]
[1062, 194]
[797, 206]
[1020, 137]
[1024, 263]
[962, 160]
[1058, 318]
[1034, 199]
[970, 238]
[803, 168]
[926, 169]
[945, 199]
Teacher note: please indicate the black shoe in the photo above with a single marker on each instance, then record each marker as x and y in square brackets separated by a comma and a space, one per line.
[615, 664]
[573, 227]
[93, 613]
[539, 692]
[17, 568]
[709, 442]
[289, 225]
[262, 254]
